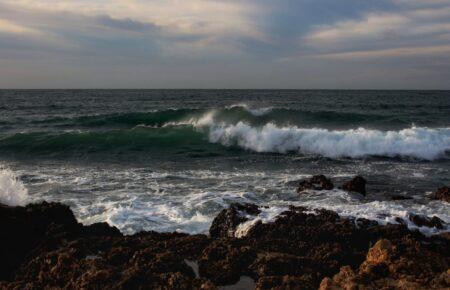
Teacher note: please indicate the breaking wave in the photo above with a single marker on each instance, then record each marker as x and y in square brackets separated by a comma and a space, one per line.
[422, 143]
[238, 127]
[12, 190]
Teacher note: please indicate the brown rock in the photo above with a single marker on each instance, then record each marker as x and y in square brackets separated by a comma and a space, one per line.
[286, 282]
[224, 263]
[424, 221]
[225, 223]
[296, 251]
[357, 184]
[317, 182]
[443, 194]
[406, 263]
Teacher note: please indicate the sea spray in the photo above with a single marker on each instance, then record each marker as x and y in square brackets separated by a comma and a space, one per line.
[12, 190]
[422, 143]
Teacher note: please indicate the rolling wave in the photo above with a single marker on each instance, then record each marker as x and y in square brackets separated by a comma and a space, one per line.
[416, 142]
[135, 140]
[230, 114]
[238, 126]
[422, 143]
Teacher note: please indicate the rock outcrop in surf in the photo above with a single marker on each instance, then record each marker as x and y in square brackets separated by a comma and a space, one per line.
[357, 184]
[443, 194]
[317, 182]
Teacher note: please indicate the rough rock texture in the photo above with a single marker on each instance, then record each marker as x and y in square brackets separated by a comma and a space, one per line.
[226, 222]
[43, 247]
[357, 184]
[443, 194]
[422, 221]
[299, 249]
[317, 182]
[403, 264]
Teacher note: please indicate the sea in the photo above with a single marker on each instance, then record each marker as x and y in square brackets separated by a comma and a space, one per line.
[171, 160]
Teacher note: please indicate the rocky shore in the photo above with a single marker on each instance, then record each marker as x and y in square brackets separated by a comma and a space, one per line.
[42, 246]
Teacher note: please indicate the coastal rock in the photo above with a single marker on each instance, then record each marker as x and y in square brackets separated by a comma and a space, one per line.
[225, 223]
[443, 194]
[25, 228]
[286, 282]
[317, 182]
[225, 262]
[421, 221]
[357, 184]
[298, 250]
[406, 263]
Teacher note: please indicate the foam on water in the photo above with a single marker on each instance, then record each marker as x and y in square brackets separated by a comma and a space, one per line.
[187, 201]
[422, 143]
[416, 142]
[12, 190]
[254, 111]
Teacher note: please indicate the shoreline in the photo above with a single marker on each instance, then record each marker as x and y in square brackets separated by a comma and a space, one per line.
[43, 245]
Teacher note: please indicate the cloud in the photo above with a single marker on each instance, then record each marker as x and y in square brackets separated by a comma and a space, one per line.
[126, 24]
[10, 27]
[410, 31]
[443, 50]
[208, 17]
[371, 26]
[225, 43]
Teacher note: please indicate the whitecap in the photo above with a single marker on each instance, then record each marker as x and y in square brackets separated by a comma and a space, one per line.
[422, 143]
[12, 190]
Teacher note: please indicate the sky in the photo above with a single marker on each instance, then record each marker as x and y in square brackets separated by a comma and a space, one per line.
[296, 44]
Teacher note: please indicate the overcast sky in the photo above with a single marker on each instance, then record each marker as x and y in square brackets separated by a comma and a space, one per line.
[392, 44]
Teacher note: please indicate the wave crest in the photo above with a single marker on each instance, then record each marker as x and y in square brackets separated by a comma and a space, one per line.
[257, 112]
[423, 143]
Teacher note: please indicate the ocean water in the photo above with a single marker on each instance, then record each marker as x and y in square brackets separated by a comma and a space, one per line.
[170, 160]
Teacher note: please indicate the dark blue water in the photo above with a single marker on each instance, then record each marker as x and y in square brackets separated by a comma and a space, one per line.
[171, 159]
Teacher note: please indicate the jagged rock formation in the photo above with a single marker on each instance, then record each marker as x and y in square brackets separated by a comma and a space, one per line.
[357, 184]
[442, 193]
[317, 182]
[43, 246]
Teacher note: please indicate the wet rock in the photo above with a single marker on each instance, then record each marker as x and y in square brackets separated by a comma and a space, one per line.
[226, 222]
[225, 262]
[357, 184]
[276, 264]
[424, 221]
[100, 229]
[286, 282]
[25, 228]
[400, 197]
[406, 263]
[365, 223]
[301, 249]
[317, 182]
[443, 194]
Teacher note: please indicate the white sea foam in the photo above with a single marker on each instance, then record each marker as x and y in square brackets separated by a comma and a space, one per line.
[355, 206]
[423, 143]
[188, 200]
[254, 111]
[12, 190]
[417, 142]
[383, 211]
[267, 215]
